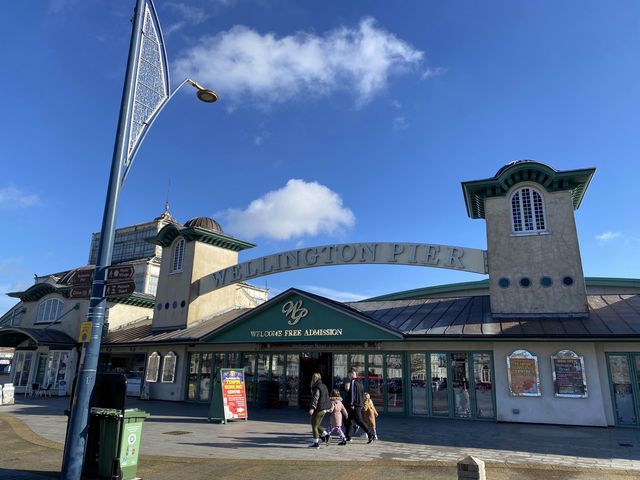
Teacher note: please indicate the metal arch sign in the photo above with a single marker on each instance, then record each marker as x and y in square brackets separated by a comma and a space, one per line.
[417, 254]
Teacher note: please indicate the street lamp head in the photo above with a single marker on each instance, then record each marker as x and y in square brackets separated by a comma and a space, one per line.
[203, 94]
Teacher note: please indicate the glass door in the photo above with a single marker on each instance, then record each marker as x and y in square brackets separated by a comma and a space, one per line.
[23, 361]
[439, 385]
[293, 379]
[623, 378]
[460, 385]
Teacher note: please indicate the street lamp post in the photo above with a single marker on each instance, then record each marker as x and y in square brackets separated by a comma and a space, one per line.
[146, 39]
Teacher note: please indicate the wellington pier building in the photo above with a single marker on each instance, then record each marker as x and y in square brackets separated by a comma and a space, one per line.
[535, 341]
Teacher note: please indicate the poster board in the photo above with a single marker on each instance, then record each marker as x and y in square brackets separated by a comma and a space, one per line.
[229, 401]
[524, 377]
[569, 379]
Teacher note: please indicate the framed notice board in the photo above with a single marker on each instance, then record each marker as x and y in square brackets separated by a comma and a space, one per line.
[569, 379]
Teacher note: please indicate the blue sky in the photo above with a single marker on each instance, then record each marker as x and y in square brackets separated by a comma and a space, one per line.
[361, 119]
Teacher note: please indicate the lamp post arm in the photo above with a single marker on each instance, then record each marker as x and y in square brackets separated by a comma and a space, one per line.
[147, 127]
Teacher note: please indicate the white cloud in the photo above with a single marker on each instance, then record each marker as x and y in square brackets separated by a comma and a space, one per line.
[337, 295]
[190, 13]
[606, 236]
[396, 104]
[400, 123]
[432, 72]
[11, 197]
[299, 208]
[263, 69]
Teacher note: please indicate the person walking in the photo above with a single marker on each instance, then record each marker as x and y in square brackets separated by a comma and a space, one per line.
[337, 412]
[354, 409]
[369, 414]
[320, 404]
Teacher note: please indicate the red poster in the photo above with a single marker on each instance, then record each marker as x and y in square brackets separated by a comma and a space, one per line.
[234, 397]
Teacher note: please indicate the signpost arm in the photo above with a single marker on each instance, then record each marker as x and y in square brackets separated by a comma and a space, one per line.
[74, 448]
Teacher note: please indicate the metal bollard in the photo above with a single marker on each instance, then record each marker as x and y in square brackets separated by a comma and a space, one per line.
[471, 468]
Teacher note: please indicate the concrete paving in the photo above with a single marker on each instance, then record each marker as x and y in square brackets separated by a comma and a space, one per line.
[278, 438]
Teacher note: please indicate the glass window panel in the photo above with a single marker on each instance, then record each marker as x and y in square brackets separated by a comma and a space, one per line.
[293, 378]
[41, 369]
[206, 369]
[153, 365]
[439, 385]
[622, 389]
[483, 385]
[419, 383]
[395, 397]
[460, 384]
[375, 380]
[263, 378]
[277, 386]
[194, 366]
[233, 360]
[339, 370]
[249, 364]
[357, 363]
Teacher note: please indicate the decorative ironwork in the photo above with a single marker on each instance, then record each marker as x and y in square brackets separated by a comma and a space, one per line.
[152, 82]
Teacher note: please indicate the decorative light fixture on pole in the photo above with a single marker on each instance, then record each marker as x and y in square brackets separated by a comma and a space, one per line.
[145, 94]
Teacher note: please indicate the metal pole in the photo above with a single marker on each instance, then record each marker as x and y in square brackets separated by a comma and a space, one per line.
[74, 448]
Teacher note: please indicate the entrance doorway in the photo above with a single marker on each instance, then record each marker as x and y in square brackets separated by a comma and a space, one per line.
[310, 363]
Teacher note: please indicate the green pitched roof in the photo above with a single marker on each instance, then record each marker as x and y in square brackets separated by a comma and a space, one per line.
[171, 231]
[475, 191]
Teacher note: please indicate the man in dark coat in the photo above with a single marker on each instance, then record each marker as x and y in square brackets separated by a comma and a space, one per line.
[354, 403]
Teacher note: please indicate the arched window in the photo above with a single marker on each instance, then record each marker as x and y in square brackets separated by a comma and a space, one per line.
[49, 310]
[178, 256]
[527, 211]
[153, 366]
[169, 368]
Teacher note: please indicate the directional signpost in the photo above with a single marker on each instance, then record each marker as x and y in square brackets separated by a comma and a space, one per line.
[119, 289]
[80, 282]
[119, 272]
[118, 284]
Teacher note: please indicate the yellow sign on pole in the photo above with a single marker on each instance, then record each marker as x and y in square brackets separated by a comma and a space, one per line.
[85, 332]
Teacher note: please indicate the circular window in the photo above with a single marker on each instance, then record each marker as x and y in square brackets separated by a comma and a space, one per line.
[166, 306]
[175, 305]
[504, 282]
[183, 303]
[159, 306]
[568, 281]
[525, 282]
[546, 282]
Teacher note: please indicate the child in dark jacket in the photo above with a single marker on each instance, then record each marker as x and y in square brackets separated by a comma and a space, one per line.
[337, 412]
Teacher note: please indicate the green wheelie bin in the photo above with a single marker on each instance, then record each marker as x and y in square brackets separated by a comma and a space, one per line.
[114, 443]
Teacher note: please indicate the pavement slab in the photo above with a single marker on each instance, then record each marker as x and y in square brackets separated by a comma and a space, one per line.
[273, 444]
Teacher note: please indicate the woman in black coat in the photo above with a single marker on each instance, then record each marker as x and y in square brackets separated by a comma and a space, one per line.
[320, 404]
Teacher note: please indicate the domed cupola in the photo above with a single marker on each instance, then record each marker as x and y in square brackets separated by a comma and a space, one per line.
[204, 222]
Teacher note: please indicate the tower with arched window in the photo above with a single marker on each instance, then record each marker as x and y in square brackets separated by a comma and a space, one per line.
[189, 252]
[533, 252]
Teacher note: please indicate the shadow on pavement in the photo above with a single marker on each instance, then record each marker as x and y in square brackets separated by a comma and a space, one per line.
[26, 474]
[417, 432]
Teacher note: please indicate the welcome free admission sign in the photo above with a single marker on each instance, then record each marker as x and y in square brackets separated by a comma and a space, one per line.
[229, 400]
